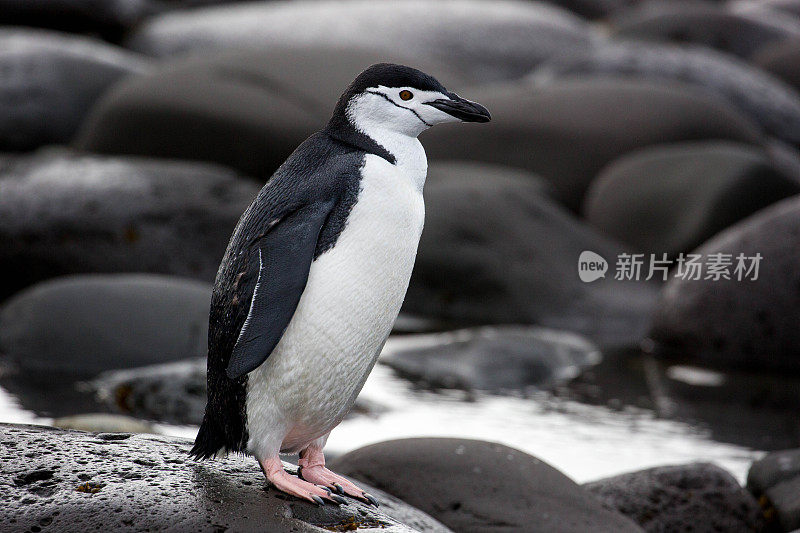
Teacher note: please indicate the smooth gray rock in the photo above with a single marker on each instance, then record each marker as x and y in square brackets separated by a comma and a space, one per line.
[70, 481]
[705, 23]
[48, 82]
[567, 131]
[245, 109]
[772, 469]
[672, 198]
[91, 323]
[774, 105]
[681, 498]
[108, 18]
[495, 359]
[749, 324]
[775, 480]
[782, 60]
[791, 7]
[498, 251]
[63, 213]
[482, 41]
[480, 487]
[592, 9]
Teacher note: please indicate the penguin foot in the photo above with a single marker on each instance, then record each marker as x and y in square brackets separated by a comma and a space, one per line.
[320, 475]
[294, 486]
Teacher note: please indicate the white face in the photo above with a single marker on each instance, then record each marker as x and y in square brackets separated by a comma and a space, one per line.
[399, 109]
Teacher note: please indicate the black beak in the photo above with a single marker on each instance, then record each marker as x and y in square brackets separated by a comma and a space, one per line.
[462, 109]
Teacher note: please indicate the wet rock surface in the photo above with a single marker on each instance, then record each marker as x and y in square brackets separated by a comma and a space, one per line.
[56, 480]
[691, 497]
[775, 479]
[481, 41]
[64, 213]
[48, 82]
[736, 323]
[672, 198]
[82, 325]
[561, 131]
[480, 486]
[244, 109]
[495, 359]
[489, 245]
[774, 105]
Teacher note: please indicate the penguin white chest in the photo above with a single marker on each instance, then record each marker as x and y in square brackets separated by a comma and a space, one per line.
[352, 297]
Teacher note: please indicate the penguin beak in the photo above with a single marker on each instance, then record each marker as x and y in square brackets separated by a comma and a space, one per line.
[461, 108]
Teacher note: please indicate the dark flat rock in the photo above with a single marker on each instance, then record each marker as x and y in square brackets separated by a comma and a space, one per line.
[72, 481]
[748, 323]
[495, 359]
[705, 23]
[498, 251]
[478, 40]
[672, 198]
[774, 105]
[479, 486]
[245, 109]
[592, 9]
[62, 213]
[86, 324]
[568, 130]
[681, 498]
[48, 82]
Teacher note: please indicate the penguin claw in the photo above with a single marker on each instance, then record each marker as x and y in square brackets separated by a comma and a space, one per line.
[339, 489]
[319, 501]
[371, 499]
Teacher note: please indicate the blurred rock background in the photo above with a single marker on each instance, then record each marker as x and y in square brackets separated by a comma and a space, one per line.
[133, 133]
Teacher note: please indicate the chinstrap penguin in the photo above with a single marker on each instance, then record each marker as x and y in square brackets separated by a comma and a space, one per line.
[314, 277]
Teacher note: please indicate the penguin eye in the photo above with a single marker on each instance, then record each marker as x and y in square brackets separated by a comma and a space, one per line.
[406, 95]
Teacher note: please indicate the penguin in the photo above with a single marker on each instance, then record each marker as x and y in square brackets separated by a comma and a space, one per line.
[314, 276]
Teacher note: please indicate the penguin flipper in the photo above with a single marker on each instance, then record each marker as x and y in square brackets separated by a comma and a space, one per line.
[284, 255]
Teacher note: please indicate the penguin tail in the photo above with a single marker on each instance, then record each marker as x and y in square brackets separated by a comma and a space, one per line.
[208, 443]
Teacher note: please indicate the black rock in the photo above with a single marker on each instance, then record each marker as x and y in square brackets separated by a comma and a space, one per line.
[567, 131]
[248, 110]
[70, 481]
[86, 324]
[775, 479]
[672, 198]
[62, 213]
[781, 59]
[705, 23]
[683, 498]
[48, 82]
[766, 100]
[475, 39]
[495, 359]
[479, 486]
[498, 251]
[750, 324]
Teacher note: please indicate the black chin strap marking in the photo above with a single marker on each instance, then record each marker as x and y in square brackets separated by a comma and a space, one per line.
[401, 107]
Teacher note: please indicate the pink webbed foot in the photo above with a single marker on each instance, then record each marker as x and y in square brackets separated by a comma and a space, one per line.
[285, 482]
[312, 468]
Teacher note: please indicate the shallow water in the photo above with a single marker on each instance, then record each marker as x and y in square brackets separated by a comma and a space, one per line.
[586, 441]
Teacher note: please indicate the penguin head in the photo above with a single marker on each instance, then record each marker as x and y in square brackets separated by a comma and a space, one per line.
[403, 100]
